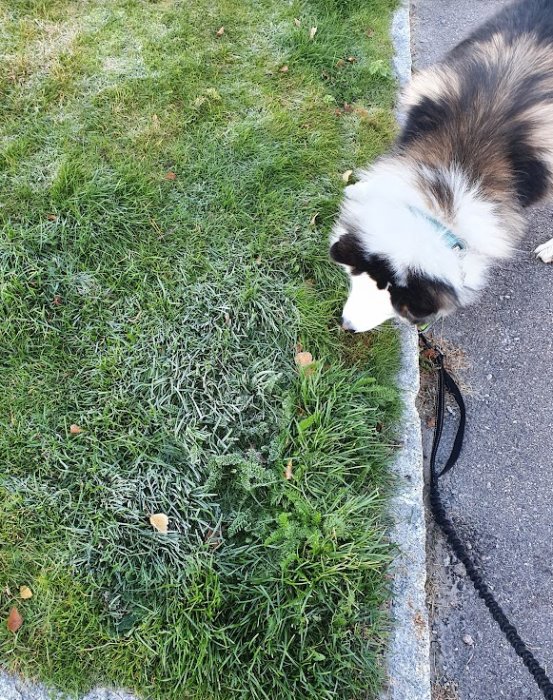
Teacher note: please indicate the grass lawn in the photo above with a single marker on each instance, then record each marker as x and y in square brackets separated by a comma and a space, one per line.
[167, 189]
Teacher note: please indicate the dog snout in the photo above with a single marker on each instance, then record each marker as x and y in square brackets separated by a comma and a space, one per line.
[347, 325]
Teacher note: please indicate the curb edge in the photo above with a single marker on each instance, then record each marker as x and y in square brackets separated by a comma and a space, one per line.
[408, 655]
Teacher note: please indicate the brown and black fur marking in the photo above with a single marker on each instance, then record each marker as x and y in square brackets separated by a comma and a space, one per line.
[488, 108]
[475, 150]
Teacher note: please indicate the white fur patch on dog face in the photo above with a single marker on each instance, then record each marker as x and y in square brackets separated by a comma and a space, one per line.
[367, 305]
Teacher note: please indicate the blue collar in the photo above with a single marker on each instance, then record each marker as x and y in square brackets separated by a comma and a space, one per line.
[447, 234]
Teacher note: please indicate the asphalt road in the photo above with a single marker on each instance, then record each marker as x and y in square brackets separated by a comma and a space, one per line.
[501, 491]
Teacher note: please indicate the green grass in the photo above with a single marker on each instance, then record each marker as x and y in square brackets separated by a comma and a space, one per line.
[163, 317]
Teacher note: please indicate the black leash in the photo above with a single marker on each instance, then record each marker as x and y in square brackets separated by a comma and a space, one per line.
[446, 381]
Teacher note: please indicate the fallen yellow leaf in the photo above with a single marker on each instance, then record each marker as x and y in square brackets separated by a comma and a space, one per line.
[346, 176]
[160, 522]
[313, 219]
[288, 471]
[25, 592]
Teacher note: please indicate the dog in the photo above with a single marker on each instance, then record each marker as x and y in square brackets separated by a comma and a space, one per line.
[420, 230]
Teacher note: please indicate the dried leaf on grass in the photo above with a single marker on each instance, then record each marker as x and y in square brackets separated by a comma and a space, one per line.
[14, 620]
[312, 32]
[170, 175]
[362, 112]
[75, 429]
[220, 32]
[303, 359]
[288, 470]
[346, 175]
[283, 69]
[297, 22]
[25, 592]
[160, 522]
[214, 538]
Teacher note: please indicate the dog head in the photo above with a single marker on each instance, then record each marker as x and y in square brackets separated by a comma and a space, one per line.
[397, 265]
[378, 292]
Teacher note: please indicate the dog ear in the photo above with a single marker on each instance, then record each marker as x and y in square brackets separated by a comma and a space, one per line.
[347, 251]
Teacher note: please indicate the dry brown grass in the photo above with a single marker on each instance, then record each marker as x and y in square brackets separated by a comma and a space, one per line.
[445, 692]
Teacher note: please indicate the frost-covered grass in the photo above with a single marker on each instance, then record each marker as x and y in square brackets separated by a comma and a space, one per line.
[166, 199]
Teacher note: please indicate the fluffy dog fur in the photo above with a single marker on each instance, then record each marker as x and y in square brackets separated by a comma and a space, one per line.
[475, 150]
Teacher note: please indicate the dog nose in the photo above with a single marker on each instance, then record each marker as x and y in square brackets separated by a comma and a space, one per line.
[346, 325]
